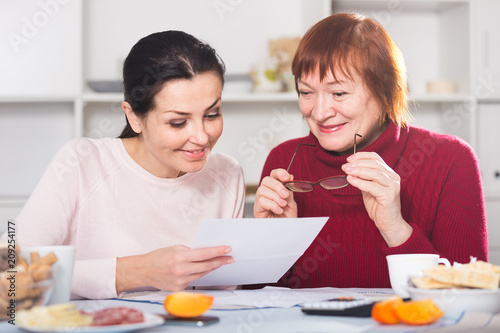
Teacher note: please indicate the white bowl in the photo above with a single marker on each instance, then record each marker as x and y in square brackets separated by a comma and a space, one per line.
[454, 302]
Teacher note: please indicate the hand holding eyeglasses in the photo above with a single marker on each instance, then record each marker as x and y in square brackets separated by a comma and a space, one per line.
[380, 187]
[273, 199]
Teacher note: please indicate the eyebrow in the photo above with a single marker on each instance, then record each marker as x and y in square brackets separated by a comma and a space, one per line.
[329, 83]
[187, 113]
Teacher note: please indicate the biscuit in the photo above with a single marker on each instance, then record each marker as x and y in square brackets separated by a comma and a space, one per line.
[465, 276]
[427, 282]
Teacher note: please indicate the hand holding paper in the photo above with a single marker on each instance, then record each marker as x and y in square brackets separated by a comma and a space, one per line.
[263, 249]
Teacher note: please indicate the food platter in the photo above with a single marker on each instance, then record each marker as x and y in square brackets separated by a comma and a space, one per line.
[150, 320]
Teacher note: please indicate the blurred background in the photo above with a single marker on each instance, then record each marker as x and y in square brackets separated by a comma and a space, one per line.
[60, 72]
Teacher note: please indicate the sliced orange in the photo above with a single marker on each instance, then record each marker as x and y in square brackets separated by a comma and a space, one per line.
[384, 312]
[187, 304]
[422, 312]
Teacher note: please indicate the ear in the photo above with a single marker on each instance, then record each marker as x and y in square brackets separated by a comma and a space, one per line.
[133, 119]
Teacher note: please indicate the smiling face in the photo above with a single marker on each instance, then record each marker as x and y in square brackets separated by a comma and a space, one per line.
[180, 132]
[336, 110]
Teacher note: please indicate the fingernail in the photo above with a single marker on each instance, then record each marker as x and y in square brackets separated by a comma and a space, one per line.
[348, 168]
[227, 250]
[284, 193]
[230, 261]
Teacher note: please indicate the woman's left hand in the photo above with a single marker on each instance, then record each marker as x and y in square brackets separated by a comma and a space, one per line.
[380, 187]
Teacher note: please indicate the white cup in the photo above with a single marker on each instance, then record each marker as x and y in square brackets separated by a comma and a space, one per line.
[62, 270]
[404, 266]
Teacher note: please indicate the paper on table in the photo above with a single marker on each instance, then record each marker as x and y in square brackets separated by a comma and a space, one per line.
[263, 249]
[268, 297]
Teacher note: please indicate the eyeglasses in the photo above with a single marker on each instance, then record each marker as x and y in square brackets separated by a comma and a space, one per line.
[329, 183]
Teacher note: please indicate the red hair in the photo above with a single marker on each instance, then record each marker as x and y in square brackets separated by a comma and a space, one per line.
[344, 42]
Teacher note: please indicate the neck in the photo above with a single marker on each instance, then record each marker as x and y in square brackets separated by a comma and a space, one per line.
[370, 137]
[141, 155]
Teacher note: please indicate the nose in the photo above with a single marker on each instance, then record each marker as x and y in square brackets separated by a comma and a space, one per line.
[323, 108]
[199, 134]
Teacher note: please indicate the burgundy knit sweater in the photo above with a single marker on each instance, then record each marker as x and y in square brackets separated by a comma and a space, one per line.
[441, 198]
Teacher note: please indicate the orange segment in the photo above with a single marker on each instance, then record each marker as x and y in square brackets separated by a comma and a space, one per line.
[385, 311]
[420, 312]
[187, 304]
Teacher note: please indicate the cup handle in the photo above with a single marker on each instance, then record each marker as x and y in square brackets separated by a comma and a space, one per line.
[444, 261]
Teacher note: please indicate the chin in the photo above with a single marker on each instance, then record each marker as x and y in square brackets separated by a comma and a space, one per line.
[194, 167]
[327, 144]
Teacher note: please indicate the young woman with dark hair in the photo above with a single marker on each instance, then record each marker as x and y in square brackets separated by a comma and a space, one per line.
[131, 205]
[387, 187]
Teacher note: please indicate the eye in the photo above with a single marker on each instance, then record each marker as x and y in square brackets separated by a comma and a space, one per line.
[304, 93]
[339, 94]
[177, 123]
[214, 114]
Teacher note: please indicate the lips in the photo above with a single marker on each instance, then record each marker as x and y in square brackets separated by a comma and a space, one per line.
[330, 128]
[194, 154]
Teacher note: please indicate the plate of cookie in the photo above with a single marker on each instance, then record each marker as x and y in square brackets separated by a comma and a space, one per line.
[462, 287]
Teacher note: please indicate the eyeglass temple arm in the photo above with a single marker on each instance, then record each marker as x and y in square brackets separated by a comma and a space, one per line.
[295, 153]
[355, 136]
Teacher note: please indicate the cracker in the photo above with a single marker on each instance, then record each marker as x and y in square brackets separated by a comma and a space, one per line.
[477, 279]
[465, 276]
[483, 266]
[429, 283]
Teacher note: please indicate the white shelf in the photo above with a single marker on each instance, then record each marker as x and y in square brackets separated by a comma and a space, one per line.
[455, 98]
[427, 5]
[102, 97]
[230, 97]
[260, 97]
[278, 97]
[38, 99]
[14, 201]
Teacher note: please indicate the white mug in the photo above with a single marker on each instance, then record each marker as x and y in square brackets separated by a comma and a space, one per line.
[404, 266]
[62, 270]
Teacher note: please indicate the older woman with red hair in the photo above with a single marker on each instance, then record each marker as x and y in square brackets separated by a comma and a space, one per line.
[387, 187]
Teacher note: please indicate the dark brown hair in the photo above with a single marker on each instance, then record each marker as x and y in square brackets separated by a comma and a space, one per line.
[344, 42]
[160, 58]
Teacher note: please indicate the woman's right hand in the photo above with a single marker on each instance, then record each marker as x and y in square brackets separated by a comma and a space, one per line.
[273, 199]
[170, 268]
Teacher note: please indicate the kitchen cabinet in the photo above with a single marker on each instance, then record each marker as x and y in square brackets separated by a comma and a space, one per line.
[54, 47]
[487, 50]
[489, 157]
[489, 150]
[486, 88]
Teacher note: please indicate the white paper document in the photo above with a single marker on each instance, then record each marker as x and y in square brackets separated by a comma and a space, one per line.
[267, 297]
[263, 249]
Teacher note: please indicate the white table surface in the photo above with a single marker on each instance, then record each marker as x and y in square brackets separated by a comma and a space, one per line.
[273, 320]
